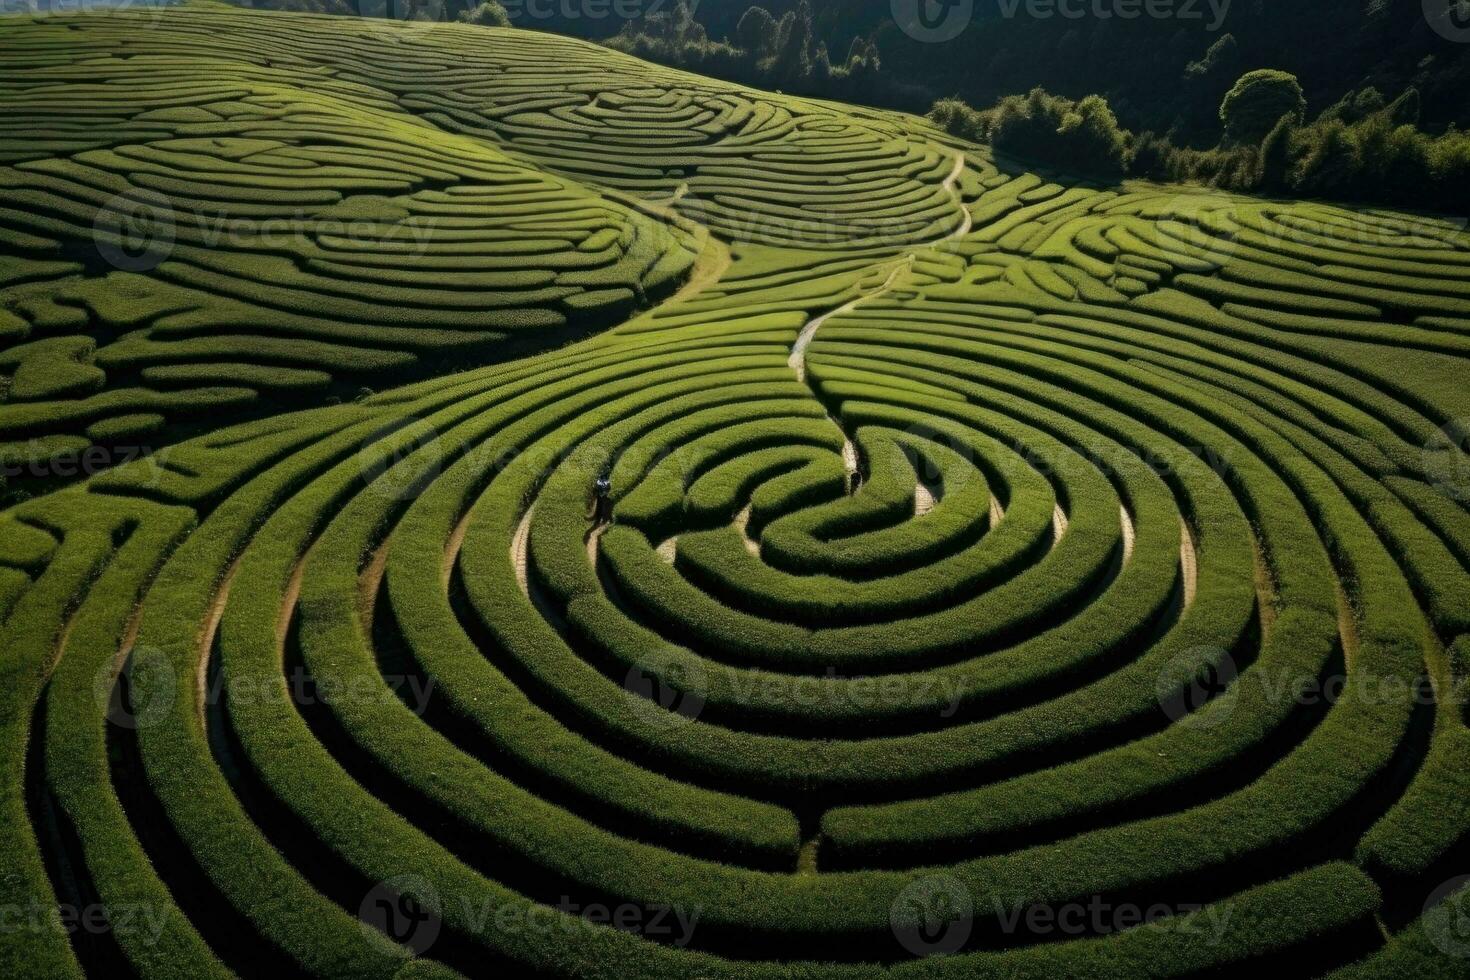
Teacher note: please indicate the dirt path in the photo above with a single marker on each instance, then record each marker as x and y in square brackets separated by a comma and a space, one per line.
[593, 541]
[519, 545]
[1188, 562]
[951, 187]
[923, 500]
[1265, 588]
[1059, 523]
[370, 585]
[797, 360]
[452, 548]
[742, 522]
[713, 259]
[711, 265]
[204, 642]
[1130, 533]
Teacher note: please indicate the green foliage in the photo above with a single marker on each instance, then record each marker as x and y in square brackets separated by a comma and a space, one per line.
[1078, 137]
[782, 53]
[489, 13]
[1259, 100]
[973, 536]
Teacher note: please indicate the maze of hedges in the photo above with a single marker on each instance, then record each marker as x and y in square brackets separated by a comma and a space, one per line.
[978, 546]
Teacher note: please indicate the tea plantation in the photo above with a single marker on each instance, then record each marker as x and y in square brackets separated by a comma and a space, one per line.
[999, 577]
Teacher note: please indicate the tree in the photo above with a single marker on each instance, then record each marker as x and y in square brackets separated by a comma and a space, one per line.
[1258, 102]
[756, 31]
[1221, 56]
[793, 59]
[1150, 157]
[1083, 137]
[1404, 111]
[1091, 135]
[488, 14]
[1332, 163]
[1276, 156]
[956, 117]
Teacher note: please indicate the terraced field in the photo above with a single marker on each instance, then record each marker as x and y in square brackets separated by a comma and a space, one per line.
[991, 564]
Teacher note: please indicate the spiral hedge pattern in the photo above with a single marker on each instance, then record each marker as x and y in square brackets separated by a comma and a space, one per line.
[1066, 582]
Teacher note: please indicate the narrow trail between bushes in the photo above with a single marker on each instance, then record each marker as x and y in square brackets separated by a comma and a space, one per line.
[204, 649]
[519, 545]
[905, 263]
[712, 263]
[851, 461]
[370, 582]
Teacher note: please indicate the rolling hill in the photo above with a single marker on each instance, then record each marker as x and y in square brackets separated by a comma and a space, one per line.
[1005, 575]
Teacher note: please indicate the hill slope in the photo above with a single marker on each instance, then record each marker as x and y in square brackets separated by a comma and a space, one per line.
[983, 547]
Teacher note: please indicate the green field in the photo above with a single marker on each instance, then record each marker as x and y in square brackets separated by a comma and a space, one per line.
[995, 561]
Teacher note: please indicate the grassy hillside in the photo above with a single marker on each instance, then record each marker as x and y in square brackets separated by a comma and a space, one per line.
[991, 561]
[215, 221]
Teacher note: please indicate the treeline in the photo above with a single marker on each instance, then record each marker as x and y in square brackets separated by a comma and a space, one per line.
[1364, 148]
[1165, 72]
[782, 53]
